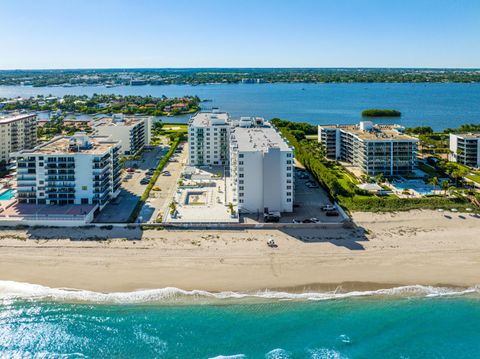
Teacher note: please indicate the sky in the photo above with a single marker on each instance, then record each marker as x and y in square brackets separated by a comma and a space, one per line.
[239, 33]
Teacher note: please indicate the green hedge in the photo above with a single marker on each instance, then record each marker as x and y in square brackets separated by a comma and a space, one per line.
[156, 174]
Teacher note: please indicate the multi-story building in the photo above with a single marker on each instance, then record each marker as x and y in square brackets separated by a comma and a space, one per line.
[465, 148]
[261, 167]
[17, 132]
[373, 148]
[133, 133]
[208, 138]
[69, 170]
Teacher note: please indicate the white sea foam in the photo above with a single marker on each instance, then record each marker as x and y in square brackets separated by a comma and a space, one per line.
[18, 290]
[277, 354]
[235, 356]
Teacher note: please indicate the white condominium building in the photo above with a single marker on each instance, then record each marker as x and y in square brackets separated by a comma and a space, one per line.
[261, 167]
[133, 133]
[17, 132]
[208, 136]
[69, 170]
[373, 148]
[465, 149]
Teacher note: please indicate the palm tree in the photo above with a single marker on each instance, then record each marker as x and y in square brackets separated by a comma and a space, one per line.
[445, 185]
[434, 182]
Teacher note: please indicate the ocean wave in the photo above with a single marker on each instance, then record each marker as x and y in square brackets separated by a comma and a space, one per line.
[18, 290]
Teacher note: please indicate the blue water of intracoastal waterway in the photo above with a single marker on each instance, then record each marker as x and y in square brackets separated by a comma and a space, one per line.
[439, 105]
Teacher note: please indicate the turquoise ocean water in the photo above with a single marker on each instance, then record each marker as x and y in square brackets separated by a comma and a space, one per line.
[408, 322]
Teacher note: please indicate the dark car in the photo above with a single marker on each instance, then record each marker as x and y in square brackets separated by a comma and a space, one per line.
[332, 213]
[144, 181]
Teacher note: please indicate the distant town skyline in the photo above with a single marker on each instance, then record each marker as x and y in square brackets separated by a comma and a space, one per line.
[54, 34]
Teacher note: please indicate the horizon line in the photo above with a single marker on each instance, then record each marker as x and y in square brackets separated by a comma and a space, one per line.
[241, 68]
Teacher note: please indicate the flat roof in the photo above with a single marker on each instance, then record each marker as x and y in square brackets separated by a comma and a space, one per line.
[377, 133]
[16, 117]
[469, 135]
[61, 146]
[204, 119]
[125, 121]
[258, 138]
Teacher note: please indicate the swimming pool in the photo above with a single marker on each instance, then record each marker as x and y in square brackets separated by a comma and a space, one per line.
[7, 195]
[416, 185]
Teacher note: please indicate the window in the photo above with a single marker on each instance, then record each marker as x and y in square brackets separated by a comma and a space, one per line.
[289, 162]
[240, 155]
[289, 200]
[289, 187]
[289, 174]
[241, 188]
[240, 181]
[289, 194]
[84, 188]
[289, 181]
[289, 154]
[240, 201]
[240, 162]
[240, 175]
[240, 195]
[289, 168]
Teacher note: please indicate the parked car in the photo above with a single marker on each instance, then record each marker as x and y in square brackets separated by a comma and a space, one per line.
[130, 170]
[332, 213]
[166, 173]
[328, 207]
[144, 181]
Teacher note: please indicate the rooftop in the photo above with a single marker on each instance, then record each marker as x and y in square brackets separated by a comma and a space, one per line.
[15, 117]
[204, 119]
[374, 132]
[78, 143]
[258, 138]
[121, 121]
[468, 135]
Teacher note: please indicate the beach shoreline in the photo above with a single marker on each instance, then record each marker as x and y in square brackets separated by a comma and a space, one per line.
[383, 251]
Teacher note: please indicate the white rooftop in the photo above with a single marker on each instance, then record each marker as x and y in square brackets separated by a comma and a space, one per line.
[204, 119]
[15, 117]
[258, 138]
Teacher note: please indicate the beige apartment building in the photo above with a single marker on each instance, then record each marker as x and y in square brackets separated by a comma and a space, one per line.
[17, 132]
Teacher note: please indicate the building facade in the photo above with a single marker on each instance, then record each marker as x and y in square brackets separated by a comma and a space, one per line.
[208, 139]
[17, 132]
[373, 148]
[133, 133]
[80, 169]
[465, 149]
[261, 167]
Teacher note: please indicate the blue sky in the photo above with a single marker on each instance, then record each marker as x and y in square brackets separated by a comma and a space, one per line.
[239, 33]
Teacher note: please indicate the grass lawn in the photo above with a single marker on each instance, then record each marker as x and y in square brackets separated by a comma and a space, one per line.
[311, 137]
[432, 172]
[474, 177]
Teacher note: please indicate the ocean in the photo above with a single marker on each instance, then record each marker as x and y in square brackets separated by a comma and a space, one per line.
[439, 105]
[406, 322]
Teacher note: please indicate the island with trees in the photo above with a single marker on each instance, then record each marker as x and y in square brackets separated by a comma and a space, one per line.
[105, 104]
[375, 112]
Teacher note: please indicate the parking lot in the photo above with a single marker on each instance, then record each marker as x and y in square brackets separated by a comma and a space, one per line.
[159, 200]
[131, 189]
[308, 202]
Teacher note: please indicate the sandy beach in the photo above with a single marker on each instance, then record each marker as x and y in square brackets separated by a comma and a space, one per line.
[384, 250]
